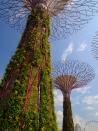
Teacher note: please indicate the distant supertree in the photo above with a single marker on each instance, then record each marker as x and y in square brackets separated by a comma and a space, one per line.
[26, 100]
[95, 46]
[67, 76]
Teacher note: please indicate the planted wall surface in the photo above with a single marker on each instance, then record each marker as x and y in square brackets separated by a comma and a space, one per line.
[68, 124]
[26, 99]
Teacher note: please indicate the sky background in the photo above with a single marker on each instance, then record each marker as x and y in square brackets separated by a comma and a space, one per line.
[78, 47]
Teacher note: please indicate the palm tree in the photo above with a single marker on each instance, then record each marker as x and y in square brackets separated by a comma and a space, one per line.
[26, 99]
[68, 76]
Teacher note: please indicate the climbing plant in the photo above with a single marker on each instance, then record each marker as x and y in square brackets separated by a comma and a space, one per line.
[26, 99]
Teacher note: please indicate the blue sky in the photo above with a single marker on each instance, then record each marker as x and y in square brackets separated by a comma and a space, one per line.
[77, 46]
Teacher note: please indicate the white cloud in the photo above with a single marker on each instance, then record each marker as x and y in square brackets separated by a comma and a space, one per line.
[55, 92]
[82, 47]
[68, 51]
[71, 47]
[59, 118]
[90, 108]
[96, 70]
[58, 99]
[84, 90]
[75, 102]
[79, 120]
[91, 100]
[96, 114]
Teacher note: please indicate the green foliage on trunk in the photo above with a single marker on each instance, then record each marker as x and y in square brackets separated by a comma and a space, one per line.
[19, 87]
[68, 124]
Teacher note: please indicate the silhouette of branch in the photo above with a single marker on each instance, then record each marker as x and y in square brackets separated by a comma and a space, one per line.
[72, 74]
[95, 46]
[68, 16]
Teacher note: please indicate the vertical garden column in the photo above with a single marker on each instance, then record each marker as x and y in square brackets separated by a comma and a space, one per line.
[46, 96]
[68, 124]
[26, 99]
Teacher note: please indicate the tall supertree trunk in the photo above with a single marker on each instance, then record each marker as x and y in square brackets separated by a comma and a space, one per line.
[26, 99]
[68, 124]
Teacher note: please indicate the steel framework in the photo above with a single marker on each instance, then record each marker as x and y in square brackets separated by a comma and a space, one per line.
[95, 46]
[67, 76]
[68, 16]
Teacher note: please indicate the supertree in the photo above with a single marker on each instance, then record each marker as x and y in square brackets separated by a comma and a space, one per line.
[69, 75]
[95, 46]
[26, 100]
